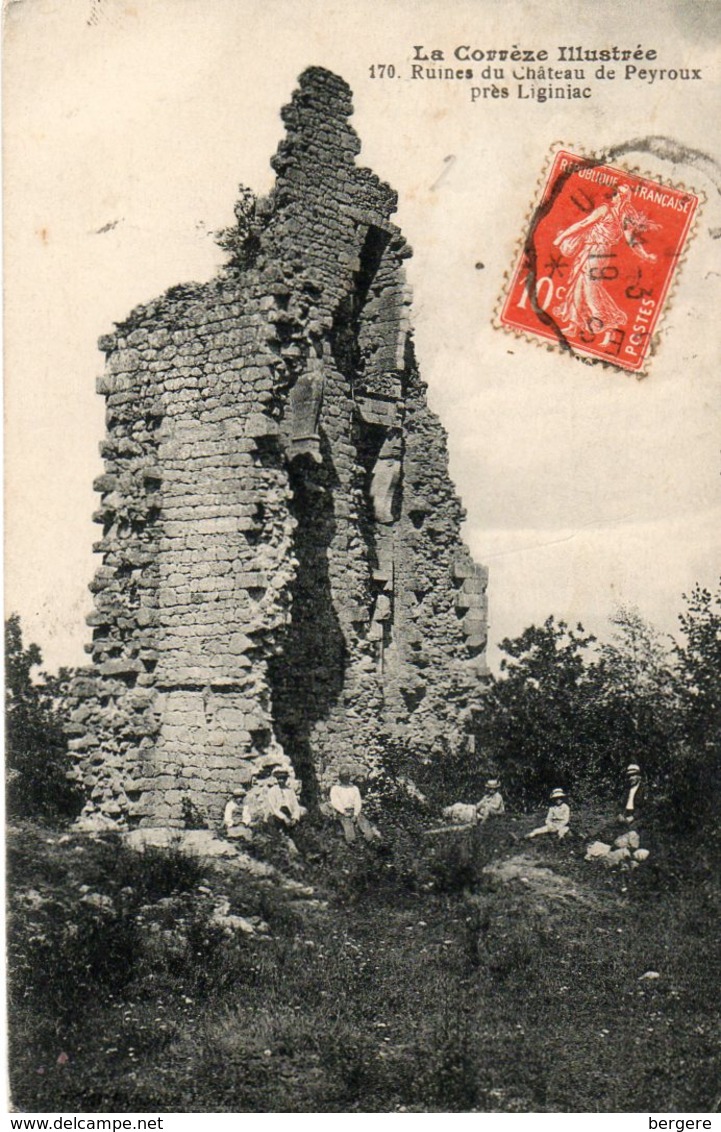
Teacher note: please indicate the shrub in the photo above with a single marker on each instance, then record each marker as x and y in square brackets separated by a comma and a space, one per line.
[60, 959]
[193, 817]
[242, 240]
[152, 874]
[37, 762]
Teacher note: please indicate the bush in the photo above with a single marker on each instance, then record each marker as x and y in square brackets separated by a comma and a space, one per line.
[242, 240]
[37, 762]
[71, 947]
[61, 959]
[448, 1078]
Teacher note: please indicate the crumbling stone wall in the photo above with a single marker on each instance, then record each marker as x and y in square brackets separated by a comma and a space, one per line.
[283, 577]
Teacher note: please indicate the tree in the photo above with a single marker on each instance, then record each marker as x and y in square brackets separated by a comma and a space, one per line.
[700, 663]
[566, 711]
[36, 749]
[638, 694]
[694, 777]
[539, 723]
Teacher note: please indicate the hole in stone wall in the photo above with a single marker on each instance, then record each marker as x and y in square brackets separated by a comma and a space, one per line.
[369, 439]
[260, 738]
[413, 697]
[284, 331]
[374, 245]
[256, 533]
[267, 451]
[418, 518]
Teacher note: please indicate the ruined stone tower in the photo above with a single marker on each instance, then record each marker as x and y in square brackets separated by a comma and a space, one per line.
[283, 577]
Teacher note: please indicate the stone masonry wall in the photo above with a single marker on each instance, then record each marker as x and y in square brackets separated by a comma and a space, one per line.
[283, 579]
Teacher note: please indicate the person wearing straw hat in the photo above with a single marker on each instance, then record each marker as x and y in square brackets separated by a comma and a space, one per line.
[558, 817]
[634, 795]
[282, 801]
[346, 803]
[491, 804]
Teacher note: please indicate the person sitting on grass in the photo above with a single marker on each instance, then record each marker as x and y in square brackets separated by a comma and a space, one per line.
[347, 804]
[491, 804]
[558, 817]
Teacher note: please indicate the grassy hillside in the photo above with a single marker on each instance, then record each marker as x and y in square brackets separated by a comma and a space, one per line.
[399, 979]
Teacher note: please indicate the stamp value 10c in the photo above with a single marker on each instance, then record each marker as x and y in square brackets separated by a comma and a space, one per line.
[598, 261]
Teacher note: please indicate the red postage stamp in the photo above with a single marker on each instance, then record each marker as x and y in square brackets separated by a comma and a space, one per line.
[598, 261]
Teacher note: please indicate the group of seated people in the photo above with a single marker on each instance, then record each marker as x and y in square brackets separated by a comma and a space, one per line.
[274, 804]
[558, 818]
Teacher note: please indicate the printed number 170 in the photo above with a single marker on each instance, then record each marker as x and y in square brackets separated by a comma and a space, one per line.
[382, 71]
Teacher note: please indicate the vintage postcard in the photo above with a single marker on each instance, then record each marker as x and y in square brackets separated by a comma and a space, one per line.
[362, 571]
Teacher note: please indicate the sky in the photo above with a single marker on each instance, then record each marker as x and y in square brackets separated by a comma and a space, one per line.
[128, 127]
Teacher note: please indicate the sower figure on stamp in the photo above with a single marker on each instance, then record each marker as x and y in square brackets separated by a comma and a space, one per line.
[634, 794]
[347, 805]
[587, 307]
[558, 817]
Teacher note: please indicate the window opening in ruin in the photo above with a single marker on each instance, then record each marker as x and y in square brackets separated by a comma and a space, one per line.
[345, 330]
[374, 245]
